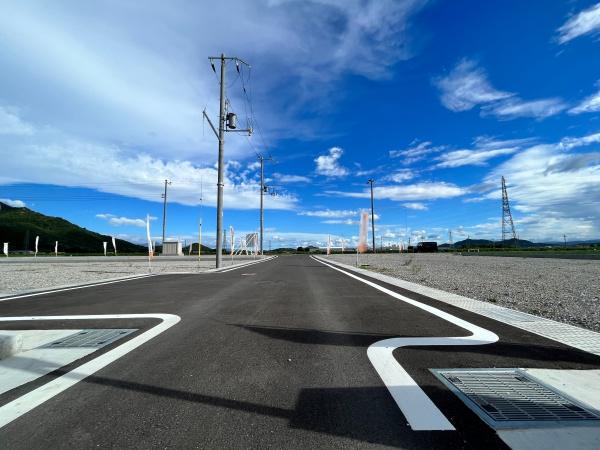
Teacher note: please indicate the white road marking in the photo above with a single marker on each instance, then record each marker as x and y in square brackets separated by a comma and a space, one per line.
[132, 277]
[32, 399]
[245, 265]
[71, 288]
[580, 338]
[420, 412]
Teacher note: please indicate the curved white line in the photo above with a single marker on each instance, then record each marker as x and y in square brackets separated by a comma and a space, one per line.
[32, 399]
[420, 412]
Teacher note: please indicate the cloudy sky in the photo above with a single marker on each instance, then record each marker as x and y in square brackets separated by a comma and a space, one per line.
[101, 101]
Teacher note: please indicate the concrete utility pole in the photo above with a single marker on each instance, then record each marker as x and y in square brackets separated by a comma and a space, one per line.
[227, 122]
[263, 189]
[565, 238]
[164, 196]
[371, 181]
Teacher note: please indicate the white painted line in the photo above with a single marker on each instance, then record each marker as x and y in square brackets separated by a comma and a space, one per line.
[229, 269]
[420, 412]
[71, 288]
[133, 277]
[32, 399]
[580, 338]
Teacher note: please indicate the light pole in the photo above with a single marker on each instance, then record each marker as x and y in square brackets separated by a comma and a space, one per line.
[371, 181]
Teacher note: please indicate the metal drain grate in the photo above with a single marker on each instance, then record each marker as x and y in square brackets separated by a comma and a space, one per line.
[92, 338]
[510, 399]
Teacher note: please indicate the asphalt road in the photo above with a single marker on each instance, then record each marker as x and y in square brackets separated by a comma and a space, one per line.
[272, 355]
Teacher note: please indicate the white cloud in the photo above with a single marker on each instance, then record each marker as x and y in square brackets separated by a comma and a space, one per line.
[557, 186]
[13, 203]
[570, 143]
[328, 165]
[515, 107]
[11, 124]
[467, 86]
[588, 104]
[415, 205]
[485, 149]
[144, 83]
[332, 213]
[111, 169]
[340, 222]
[123, 221]
[585, 22]
[400, 176]
[285, 178]
[418, 191]
[459, 158]
[416, 152]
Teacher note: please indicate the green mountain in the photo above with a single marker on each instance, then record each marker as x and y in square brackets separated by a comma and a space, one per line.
[20, 226]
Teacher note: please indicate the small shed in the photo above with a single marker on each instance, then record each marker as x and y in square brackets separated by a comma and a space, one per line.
[172, 248]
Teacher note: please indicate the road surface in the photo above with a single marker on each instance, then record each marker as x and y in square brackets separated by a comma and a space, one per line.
[273, 355]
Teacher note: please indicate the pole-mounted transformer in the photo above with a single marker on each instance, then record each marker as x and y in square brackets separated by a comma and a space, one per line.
[231, 120]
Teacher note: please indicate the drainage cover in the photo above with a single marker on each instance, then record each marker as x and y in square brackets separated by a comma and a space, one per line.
[94, 338]
[511, 399]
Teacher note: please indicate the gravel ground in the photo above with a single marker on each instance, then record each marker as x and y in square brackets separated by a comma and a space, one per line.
[565, 290]
[26, 274]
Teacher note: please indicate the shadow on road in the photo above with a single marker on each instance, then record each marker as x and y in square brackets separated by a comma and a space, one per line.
[318, 337]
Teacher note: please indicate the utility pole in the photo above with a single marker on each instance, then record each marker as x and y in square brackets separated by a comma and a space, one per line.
[164, 196]
[450, 237]
[263, 189]
[565, 238]
[227, 122]
[371, 181]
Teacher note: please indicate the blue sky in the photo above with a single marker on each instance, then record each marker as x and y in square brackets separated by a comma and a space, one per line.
[435, 100]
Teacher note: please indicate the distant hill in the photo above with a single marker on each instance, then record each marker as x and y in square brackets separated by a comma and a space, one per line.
[186, 249]
[20, 226]
[484, 243]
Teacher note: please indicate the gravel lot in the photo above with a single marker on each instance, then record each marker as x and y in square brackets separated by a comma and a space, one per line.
[19, 275]
[565, 290]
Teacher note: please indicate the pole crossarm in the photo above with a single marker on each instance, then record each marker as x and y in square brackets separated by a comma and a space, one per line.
[229, 58]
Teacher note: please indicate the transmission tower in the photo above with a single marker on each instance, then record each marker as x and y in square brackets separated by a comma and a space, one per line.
[508, 227]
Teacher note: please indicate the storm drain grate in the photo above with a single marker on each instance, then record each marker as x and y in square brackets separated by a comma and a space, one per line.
[92, 338]
[509, 399]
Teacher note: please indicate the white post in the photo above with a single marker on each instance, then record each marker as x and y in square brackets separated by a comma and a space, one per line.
[56, 248]
[104, 245]
[37, 240]
[114, 243]
[231, 232]
[5, 249]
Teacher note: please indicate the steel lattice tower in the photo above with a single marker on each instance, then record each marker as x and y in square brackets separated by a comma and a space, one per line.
[508, 227]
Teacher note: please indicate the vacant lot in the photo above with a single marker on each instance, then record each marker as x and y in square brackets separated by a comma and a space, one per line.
[26, 274]
[559, 289]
